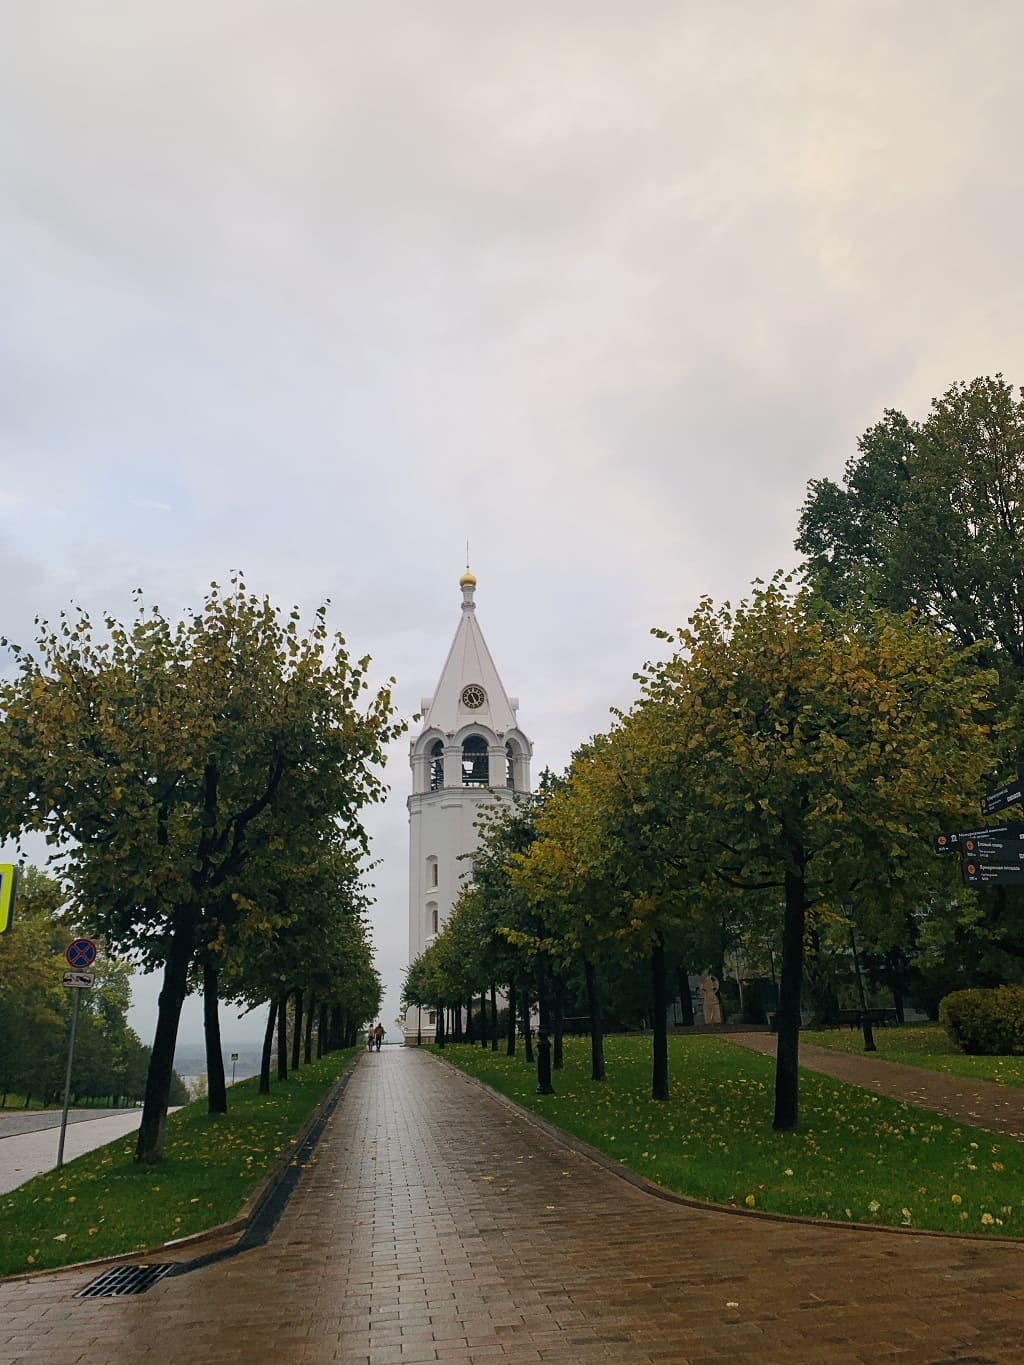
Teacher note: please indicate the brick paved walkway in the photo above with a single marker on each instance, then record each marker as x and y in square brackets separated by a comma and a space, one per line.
[984, 1104]
[437, 1225]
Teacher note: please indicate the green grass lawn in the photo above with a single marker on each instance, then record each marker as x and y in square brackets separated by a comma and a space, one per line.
[857, 1157]
[103, 1204]
[924, 1045]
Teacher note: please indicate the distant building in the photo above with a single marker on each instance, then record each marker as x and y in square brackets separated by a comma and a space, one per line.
[469, 752]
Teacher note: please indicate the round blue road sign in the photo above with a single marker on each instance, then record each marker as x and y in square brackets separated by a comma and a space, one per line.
[81, 953]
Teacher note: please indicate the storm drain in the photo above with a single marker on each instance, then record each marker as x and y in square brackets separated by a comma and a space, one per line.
[125, 1279]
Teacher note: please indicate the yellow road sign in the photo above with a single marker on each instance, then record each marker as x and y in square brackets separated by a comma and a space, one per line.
[8, 892]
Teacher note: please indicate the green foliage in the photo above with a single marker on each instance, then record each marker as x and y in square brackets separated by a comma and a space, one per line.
[184, 771]
[984, 1022]
[35, 1008]
[928, 518]
[858, 1157]
[154, 756]
[828, 749]
[104, 1204]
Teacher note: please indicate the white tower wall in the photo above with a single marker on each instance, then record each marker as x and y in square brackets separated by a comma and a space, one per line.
[451, 784]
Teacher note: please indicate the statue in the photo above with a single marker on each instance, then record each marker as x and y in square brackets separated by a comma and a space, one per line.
[709, 995]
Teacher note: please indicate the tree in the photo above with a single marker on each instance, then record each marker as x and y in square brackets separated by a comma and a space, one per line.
[930, 518]
[35, 1008]
[319, 953]
[32, 1006]
[823, 753]
[571, 876]
[157, 756]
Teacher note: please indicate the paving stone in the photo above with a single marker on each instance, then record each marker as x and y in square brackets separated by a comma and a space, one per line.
[396, 1247]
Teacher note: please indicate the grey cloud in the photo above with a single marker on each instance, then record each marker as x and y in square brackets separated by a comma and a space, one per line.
[598, 286]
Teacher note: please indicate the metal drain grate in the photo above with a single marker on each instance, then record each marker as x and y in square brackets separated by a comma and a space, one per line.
[125, 1279]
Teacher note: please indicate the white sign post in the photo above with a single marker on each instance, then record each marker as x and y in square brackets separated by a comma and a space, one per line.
[80, 955]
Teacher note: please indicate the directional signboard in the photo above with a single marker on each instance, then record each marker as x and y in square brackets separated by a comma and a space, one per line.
[978, 872]
[8, 893]
[952, 842]
[998, 847]
[80, 980]
[81, 954]
[1005, 796]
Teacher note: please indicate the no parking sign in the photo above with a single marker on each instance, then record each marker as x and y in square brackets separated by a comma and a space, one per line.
[81, 954]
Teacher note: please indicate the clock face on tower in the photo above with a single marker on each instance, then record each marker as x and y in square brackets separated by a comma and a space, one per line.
[473, 696]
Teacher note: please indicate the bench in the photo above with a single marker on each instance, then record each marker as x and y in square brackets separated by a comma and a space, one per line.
[858, 1018]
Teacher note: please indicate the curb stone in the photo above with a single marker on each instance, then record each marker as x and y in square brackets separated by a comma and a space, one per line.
[235, 1228]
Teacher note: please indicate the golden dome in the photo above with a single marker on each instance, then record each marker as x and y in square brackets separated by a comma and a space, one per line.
[468, 580]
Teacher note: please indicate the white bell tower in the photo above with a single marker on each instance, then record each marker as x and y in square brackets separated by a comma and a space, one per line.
[469, 753]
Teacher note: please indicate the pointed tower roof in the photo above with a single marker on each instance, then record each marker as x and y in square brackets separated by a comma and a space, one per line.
[469, 689]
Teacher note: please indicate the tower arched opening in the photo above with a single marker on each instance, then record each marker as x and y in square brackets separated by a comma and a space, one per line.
[474, 762]
[436, 756]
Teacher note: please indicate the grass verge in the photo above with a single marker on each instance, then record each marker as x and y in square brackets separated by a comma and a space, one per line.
[926, 1045]
[103, 1204]
[857, 1157]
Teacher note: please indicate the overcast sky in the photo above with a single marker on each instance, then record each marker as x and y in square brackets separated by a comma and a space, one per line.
[321, 290]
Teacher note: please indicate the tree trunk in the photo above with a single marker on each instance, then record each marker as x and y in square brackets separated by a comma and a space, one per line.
[484, 1030]
[439, 1036]
[865, 1021]
[559, 1026]
[527, 1035]
[268, 1044]
[216, 1085]
[788, 1050]
[321, 1031]
[149, 1148]
[307, 1050]
[470, 1031]
[282, 1037]
[494, 1017]
[457, 1023]
[597, 1072]
[297, 1029]
[685, 998]
[510, 1031]
[659, 980]
[334, 1029]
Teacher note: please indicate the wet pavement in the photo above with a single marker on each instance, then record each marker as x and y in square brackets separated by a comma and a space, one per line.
[437, 1224]
[29, 1142]
[14, 1122]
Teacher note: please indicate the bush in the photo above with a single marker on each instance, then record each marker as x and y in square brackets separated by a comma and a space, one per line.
[987, 1023]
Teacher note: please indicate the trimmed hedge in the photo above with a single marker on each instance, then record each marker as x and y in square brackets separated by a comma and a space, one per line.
[988, 1023]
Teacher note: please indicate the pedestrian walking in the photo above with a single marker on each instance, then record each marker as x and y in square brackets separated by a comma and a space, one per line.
[378, 1034]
